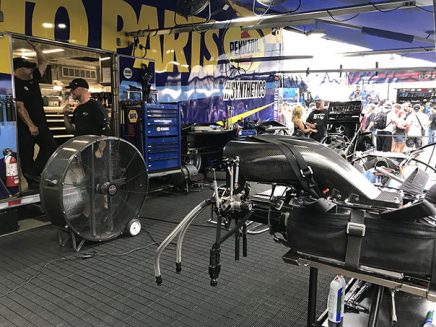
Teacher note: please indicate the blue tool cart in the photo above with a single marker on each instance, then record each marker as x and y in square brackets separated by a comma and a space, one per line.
[155, 129]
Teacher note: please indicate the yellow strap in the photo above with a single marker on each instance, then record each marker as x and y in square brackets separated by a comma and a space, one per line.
[246, 114]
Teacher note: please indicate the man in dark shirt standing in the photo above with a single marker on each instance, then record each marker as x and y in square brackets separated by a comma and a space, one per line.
[318, 120]
[89, 117]
[32, 123]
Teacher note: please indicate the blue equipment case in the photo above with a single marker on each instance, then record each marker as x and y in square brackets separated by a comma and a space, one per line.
[155, 129]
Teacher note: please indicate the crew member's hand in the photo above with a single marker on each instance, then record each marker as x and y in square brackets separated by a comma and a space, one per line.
[35, 46]
[67, 110]
[34, 130]
[99, 154]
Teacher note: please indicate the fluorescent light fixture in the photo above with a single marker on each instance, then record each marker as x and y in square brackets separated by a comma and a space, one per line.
[53, 50]
[28, 53]
[47, 25]
[317, 32]
[62, 25]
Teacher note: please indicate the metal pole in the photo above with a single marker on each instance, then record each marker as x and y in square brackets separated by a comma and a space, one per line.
[434, 22]
[279, 20]
[375, 307]
[313, 286]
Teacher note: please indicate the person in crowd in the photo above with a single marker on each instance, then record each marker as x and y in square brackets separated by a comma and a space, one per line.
[400, 128]
[213, 114]
[356, 94]
[318, 120]
[416, 120]
[369, 117]
[431, 124]
[383, 125]
[287, 116]
[89, 117]
[368, 122]
[32, 123]
[300, 128]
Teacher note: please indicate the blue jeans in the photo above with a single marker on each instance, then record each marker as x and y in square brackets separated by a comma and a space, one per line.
[431, 135]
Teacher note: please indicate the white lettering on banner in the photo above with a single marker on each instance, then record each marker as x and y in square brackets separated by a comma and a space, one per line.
[243, 89]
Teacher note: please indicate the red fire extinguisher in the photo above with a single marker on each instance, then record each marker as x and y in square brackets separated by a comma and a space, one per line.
[11, 168]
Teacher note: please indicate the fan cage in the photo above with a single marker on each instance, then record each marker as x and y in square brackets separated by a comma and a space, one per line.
[94, 197]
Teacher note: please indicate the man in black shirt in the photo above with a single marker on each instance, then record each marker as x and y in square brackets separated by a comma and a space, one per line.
[318, 120]
[32, 123]
[89, 117]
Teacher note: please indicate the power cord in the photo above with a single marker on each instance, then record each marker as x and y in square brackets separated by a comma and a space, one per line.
[341, 20]
[422, 8]
[78, 256]
[388, 10]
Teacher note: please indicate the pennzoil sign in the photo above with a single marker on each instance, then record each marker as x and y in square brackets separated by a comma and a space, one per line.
[244, 89]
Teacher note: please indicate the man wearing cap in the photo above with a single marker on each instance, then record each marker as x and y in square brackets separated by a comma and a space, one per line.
[89, 117]
[32, 123]
[318, 120]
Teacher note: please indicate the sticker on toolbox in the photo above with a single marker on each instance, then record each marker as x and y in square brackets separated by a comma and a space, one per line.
[133, 116]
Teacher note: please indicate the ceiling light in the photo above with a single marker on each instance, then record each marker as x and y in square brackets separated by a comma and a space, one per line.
[28, 53]
[269, 3]
[47, 25]
[53, 50]
[317, 32]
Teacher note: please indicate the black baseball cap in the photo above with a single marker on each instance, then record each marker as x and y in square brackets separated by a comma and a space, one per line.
[21, 62]
[78, 82]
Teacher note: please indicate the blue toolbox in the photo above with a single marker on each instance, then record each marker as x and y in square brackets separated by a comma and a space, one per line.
[155, 129]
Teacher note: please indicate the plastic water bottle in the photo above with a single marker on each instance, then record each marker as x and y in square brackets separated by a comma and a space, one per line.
[343, 284]
[335, 300]
[429, 319]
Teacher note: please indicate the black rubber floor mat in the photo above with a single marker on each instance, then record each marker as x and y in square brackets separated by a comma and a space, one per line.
[43, 284]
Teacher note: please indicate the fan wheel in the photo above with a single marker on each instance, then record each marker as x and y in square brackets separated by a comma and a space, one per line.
[94, 186]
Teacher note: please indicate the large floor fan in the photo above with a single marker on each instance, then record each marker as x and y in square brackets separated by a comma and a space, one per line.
[93, 187]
